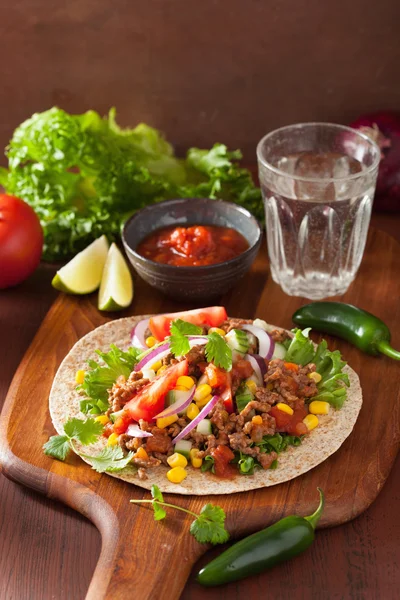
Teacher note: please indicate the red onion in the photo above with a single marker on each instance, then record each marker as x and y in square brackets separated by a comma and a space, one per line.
[259, 366]
[384, 128]
[202, 415]
[154, 355]
[135, 431]
[266, 344]
[184, 399]
[138, 334]
[162, 351]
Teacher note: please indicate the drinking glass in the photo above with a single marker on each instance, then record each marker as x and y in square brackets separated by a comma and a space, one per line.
[318, 182]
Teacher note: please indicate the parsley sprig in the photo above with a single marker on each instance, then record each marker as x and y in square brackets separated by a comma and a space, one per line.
[217, 350]
[86, 432]
[208, 527]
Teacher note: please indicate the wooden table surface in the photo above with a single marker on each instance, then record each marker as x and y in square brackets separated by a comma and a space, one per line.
[49, 551]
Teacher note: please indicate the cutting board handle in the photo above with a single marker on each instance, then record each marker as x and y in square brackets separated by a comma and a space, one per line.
[139, 561]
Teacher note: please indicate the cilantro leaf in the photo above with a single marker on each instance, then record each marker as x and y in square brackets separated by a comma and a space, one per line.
[218, 351]
[101, 376]
[85, 432]
[209, 527]
[110, 459]
[156, 493]
[159, 512]
[179, 343]
[58, 447]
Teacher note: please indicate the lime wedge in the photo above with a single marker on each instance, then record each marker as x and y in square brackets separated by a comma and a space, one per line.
[82, 275]
[116, 289]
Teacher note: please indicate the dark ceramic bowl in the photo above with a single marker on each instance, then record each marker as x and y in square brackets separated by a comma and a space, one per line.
[191, 283]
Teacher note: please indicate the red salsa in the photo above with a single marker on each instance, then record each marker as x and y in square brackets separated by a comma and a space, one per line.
[193, 246]
[223, 468]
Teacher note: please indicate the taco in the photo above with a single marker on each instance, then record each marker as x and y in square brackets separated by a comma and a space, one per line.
[244, 403]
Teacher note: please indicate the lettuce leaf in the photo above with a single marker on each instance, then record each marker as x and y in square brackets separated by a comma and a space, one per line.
[329, 365]
[84, 175]
[101, 376]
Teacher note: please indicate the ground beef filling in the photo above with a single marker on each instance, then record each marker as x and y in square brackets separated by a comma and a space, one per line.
[238, 431]
[123, 390]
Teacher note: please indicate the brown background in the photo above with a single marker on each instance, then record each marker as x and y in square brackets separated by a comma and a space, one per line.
[202, 71]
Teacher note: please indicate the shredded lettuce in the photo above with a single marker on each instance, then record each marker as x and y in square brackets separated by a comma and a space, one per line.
[84, 175]
[278, 442]
[100, 377]
[329, 365]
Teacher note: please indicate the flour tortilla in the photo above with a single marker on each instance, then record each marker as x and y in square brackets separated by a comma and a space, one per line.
[323, 441]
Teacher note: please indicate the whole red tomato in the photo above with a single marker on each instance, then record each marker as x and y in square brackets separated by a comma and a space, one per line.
[21, 241]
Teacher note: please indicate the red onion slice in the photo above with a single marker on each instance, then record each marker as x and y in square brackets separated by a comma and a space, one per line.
[259, 366]
[266, 344]
[163, 350]
[153, 356]
[138, 334]
[184, 399]
[202, 415]
[135, 431]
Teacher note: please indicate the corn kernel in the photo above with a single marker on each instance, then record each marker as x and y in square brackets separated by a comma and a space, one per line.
[257, 420]
[205, 401]
[103, 419]
[150, 341]
[269, 386]
[252, 386]
[177, 460]
[112, 440]
[217, 330]
[176, 475]
[185, 381]
[80, 376]
[157, 365]
[141, 453]
[284, 408]
[310, 421]
[162, 369]
[196, 462]
[202, 391]
[315, 376]
[165, 421]
[192, 411]
[317, 407]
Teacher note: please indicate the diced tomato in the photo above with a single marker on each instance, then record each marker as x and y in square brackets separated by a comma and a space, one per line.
[149, 401]
[221, 381]
[121, 424]
[216, 377]
[242, 369]
[291, 366]
[292, 424]
[213, 316]
[226, 395]
[222, 456]
[108, 429]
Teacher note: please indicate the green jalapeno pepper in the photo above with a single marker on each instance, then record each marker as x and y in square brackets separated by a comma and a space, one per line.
[279, 542]
[360, 328]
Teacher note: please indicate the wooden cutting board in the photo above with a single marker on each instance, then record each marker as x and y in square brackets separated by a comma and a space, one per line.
[153, 560]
